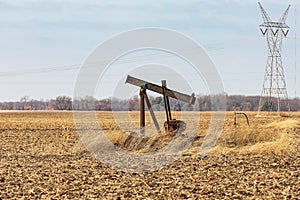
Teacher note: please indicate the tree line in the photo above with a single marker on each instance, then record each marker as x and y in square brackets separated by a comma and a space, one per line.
[203, 103]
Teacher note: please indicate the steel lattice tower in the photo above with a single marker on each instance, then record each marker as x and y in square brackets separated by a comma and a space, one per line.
[274, 85]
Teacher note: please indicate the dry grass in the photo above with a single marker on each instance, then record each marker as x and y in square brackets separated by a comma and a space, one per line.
[265, 135]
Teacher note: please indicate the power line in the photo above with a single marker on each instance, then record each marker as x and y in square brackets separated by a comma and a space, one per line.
[40, 70]
[138, 58]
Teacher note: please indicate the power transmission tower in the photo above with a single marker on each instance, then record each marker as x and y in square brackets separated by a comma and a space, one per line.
[274, 85]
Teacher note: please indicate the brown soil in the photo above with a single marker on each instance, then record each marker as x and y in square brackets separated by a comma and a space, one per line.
[41, 158]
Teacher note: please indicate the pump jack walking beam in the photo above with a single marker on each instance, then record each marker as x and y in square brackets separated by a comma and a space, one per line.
[158, 89]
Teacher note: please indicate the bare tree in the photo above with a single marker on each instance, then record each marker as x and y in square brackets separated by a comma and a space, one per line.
[63, 103]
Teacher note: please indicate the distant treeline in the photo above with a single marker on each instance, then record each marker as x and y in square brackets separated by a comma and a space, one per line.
[203, 103]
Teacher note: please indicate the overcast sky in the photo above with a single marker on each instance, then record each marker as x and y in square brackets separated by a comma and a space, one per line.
[43, 43]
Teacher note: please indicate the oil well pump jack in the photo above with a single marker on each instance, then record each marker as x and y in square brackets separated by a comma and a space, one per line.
[171, 125]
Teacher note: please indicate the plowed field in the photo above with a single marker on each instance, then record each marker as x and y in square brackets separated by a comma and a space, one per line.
[41, 157]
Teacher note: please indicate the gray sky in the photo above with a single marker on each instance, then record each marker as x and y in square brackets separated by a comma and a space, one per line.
[43, 43]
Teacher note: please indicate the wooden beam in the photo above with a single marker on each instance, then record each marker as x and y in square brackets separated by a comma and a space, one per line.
[156, 88]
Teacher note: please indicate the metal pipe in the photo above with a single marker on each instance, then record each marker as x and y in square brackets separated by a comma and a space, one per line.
[165, 99]
[142, 111]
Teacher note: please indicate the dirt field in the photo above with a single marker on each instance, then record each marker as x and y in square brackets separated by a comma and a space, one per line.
[42, 158]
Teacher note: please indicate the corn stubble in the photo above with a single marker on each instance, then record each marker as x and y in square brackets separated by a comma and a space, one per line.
[41, 157]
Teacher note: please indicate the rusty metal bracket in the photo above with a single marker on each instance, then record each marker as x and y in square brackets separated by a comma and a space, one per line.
[240, 113]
